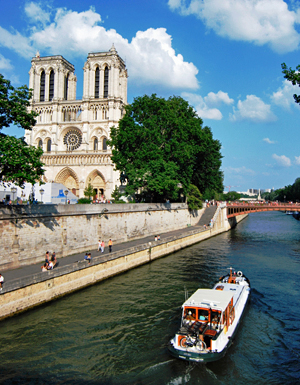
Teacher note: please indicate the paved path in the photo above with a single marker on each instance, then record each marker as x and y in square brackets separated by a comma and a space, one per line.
[36, 268]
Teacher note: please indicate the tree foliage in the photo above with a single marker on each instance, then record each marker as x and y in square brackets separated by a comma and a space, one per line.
[116, 195]
[194, 198]
[19, 163]
[89, 191]
[162, 148]
[292, 76]
[286, 194]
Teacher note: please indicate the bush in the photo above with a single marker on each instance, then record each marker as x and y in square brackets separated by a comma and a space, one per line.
[84, 201]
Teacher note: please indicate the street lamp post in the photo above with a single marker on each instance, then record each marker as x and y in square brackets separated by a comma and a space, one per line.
[42, 192]
[66, 192]
[13, 190]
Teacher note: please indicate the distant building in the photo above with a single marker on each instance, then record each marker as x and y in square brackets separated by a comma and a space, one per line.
[73, 133]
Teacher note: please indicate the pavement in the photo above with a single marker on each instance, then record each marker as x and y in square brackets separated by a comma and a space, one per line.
[29, 270]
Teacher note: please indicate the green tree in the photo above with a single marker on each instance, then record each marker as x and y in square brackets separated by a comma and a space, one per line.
[194, 198]
[231, 196]
[293, 76]
[161, 147]
[89, 191]
[19, 163]
[116, 195]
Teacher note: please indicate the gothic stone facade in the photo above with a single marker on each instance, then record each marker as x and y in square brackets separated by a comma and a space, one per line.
[73, 133]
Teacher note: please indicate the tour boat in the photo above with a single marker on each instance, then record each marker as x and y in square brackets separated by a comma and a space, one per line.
[210, 318]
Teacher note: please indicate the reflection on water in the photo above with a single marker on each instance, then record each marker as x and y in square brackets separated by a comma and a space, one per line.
[116, 332]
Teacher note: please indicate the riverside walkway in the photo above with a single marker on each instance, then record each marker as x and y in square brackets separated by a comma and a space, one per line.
[30, 270]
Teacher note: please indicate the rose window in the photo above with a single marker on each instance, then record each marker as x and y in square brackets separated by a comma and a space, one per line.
[73, 139]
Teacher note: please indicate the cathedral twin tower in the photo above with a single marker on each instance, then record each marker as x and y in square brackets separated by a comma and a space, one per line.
[73, 133]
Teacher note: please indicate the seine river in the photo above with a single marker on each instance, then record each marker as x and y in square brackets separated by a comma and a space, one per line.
[116, 332]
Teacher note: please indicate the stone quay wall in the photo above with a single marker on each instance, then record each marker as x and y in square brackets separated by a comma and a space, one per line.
[25, 293]
[27, 232]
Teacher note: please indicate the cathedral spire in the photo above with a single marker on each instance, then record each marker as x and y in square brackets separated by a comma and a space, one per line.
[113, 50]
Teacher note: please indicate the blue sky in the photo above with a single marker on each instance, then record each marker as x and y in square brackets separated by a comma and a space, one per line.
[223, 56]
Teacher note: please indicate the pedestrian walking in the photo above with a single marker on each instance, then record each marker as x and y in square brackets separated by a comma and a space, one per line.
[102, 246]
[99, 245]
[110, 245]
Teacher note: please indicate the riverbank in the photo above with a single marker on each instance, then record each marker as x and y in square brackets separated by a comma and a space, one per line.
[29, 290]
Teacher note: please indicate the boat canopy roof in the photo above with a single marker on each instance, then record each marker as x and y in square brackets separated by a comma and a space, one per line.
[208, 298]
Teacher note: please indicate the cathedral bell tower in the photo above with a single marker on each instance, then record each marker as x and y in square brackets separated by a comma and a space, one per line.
[73, 133]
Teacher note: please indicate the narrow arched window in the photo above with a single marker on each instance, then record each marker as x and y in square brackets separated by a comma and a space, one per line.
[49, 145]
[51, 85]
[40, 144]
[106, 73]
[42, 87]
[104, 145]
[66, 87]
[97, 79]
[95, 144]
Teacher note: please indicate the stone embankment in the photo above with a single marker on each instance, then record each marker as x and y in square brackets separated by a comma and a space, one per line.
[27, 232]
[28, 291]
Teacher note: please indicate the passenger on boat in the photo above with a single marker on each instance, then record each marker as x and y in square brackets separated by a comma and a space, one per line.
[190, 316]
[203, 315]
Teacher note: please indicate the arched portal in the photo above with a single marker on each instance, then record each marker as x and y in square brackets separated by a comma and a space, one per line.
[69, 179]
[97, 180]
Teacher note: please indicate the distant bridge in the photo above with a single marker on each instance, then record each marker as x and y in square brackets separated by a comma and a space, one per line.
[235, 209]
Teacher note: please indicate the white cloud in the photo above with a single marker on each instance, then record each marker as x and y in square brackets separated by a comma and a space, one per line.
[282, 160]
[35, 13]
[267, 140]
[240, 170]
[253, 109]
[284, 96]
[297, 160]
[16, 42]
[201, 108]
[5, 64]
[150, 57]
[258, 21]
[205, 107]
[213, 99]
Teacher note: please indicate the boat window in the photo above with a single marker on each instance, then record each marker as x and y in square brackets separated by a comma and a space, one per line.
[220, 287]
[190, 313]
[203, 315]
[215, 317]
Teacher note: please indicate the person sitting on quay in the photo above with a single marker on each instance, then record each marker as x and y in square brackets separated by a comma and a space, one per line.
[44, 267]
[1, 281]
[88, 257]
[53, 259]
[50, 266]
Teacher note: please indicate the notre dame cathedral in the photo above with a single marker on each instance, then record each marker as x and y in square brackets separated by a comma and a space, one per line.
[73, 133]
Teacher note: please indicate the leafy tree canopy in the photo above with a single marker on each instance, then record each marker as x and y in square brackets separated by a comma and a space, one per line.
[19, 163]
[161, 148]
[288, 193]
[293, 76]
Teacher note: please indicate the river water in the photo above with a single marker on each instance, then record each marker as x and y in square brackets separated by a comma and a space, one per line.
[116, 332]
